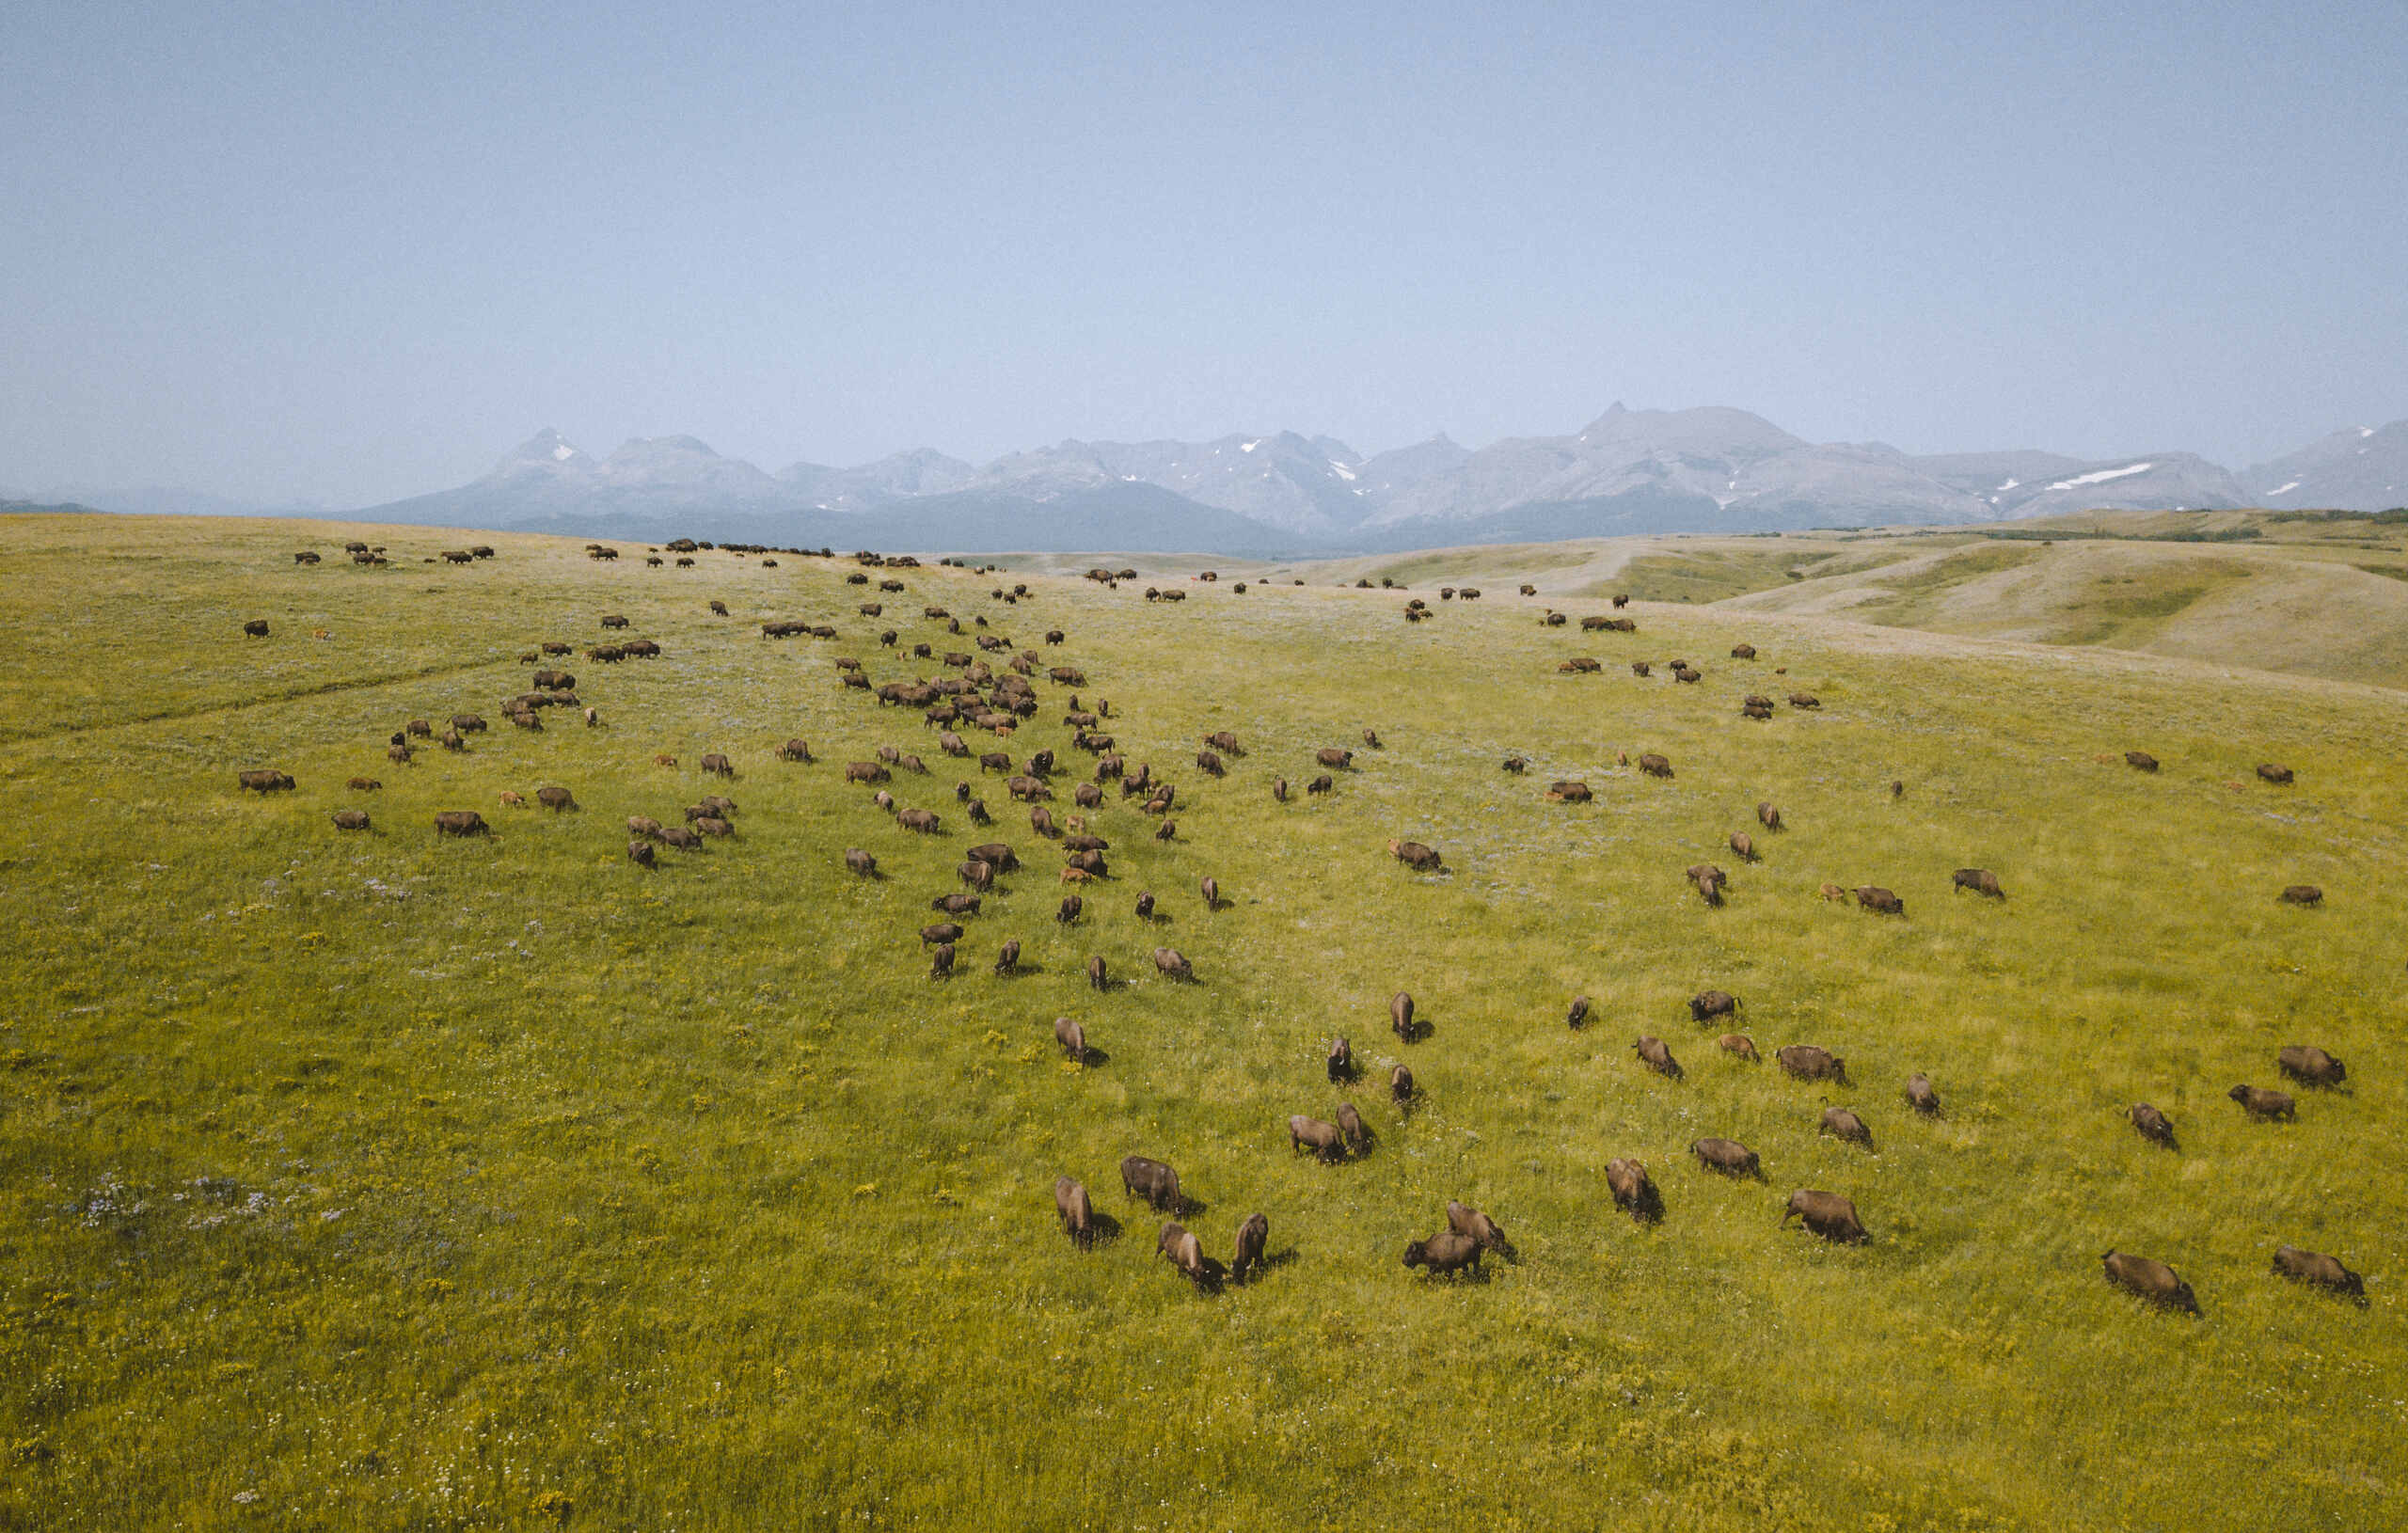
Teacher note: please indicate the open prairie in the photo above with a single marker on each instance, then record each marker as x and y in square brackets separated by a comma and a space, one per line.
[376, 1178]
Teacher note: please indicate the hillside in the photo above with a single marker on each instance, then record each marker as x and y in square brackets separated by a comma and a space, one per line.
[374, 1178]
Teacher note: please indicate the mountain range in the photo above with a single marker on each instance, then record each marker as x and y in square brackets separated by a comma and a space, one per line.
[1709, 469]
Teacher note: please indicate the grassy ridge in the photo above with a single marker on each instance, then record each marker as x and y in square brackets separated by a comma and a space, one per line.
[396, 1183]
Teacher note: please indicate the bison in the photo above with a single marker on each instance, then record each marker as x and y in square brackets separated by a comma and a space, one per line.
[1400, 1016]
[2140, 761]
[256, 628]
[923, 820]
[1325, 1140]
[1078, 1214]
[1727, 1156]
[1334, 758]
[1444, 1252]
[1475, 1226]
[2303, 894]
[639, 852]
[1072, 1037]
[1980, 880]
[719, 766]
[2311, 1067]
[1153, 1181]
[1007, 957]
[2281, 776]
[2265, 1105]
[2323, 1271]
[1400, 1086]
[1809, 1063]
[866, 771]
[681, 838]
[1740, 1046]
[555, 799]
[1183, 1250]
[1708, 1005]
[1880, 900]
[1413, 854]
[1655, 765]
[1634, 1190]
[861, 861]
[1351, 1124]
[1173, 964]
[794, 750]
[1827, 1214]
[2151, 1280]
[461, 822]
[351, 819]
[1656, 1056]
[1920, 1097]
[1099, 976]
[941, 966]
[1568, 792]
[1743, 847]
[1842, 1124]
[266, 780]
[1245, 1258]
[2153, 1126]
[363, 784]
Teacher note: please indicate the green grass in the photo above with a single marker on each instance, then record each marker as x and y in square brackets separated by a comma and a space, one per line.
[394, 1183]
[2124, 610]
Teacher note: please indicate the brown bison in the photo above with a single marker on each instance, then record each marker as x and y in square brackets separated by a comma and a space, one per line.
[941, 965]
[1173, 964]
[1809, 1063]
[682, 838]
[1579, 665]
[1211, 889]
[996, 854]
[2266, 1105]
[942, 931]
[2323, 1271]
[1827, 1214]
[1568, 792]
[2140, 761]
[1181, 1249]
[1413, 854]
[363, 784]
[1401, 1086]
[1210, 764]
[1579, 1012]
[1804, 699]
[1069, 912]
[1446, 1251]
[1072, 1037]
[1341, 1062]
[1351, 1124]
[2154, 1126]
[351, 819]
[1099, 976]
[1153, 1181]
[955, 903]
[923, 820]
[1656, 1056]
[256, 628]
[1334, 758]
[2151, 1280]
[1400, 1016]
[860, 861]
[1880, 900]
[1655, 765]
[1475, 1226]
[1768, 816]
[1325, 1140]
[1319, 784]
[461, 822]
[1920, 1097]
[866, 771]
[555, 799]
[1634, 1190]
[1245, 1259]
[1743, 847]
[2280, 776]
[2303, 894]
[639, 852]
[1077, 1212]
[1727, 1156]
[1842, 1124]
[1980, 880]
[1740, 1045]
[1708, 1004]
[794, 750]
[719, 766]
[265, 779]
[398, 754]
[1743, 651]
[2311, 1067]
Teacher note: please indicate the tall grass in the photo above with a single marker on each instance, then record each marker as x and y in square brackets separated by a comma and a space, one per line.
[373, 1180]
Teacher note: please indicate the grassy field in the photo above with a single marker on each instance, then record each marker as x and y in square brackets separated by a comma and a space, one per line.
[373, 1180]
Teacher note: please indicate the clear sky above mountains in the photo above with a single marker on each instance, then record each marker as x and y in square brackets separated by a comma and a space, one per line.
[348, 254]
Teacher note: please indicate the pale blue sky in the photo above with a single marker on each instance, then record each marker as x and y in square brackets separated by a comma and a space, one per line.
[350, 253]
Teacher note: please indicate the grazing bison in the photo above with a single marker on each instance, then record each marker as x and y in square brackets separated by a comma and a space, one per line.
[1743, 847]
[681, 838]
[794, 750]
[1477, 1227]
[955, 903]
[1078, 1214]
[398, 754]
[256, 628]
[1325, 1140]
[1211, 888]
[1842, 1124]
[1070, 910]
[2303, 894]
[1413, 854]
[2323, 1271]
[1153, 1181]
[1210, 764]
[2311, 1067]
[719, 766]
[1517, 765]
[1401, 1086]
[2260, 1103]
[1245, 1258]
[614, 620]
[1579, 1012]
[719, 608]
[2280, 776]
[860, 861]
[1072, 1037]
[1727, 1156]
[1351, 1124]
[1181, 1249]
[363, 784]
[1656, 1056]
[1743, 651]
[1708, 1004]
[866, 771]
[1827, 1214]
[942, 931]
[996, 854]
[266, 780]
[1768, 816]
[2151, 1280]
[1980, 880]
[555, 799]
[453, 740]
[1880, 900]
[639, 852]
[1809, 1063]
[1007, 957]
[1319, 784]
[419, 729]
[1638, 668]
[1099, 976]
[2154, 1126]
[941, 966]
[923, 820]
[461, 822]
[1634, 1190]
[1920, 1097]
[1579, 665]
[1741, 1045]
[1568, 792]
[1334, 758]
[1444, 1252]
[1400, 1016]
[351, 819]
[1341, 1062]
[467, 723]
[1804, 699]
[1173, 964]
[1655, 765]
[2140, 761]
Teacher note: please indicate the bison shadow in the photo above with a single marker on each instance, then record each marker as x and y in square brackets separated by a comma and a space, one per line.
[1094, 1058]
[1105, 1228]
[1271, 1261]
[1418, 1031]
[1346, 1074]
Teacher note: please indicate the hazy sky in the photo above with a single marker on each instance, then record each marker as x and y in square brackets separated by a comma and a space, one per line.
[349, 253]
